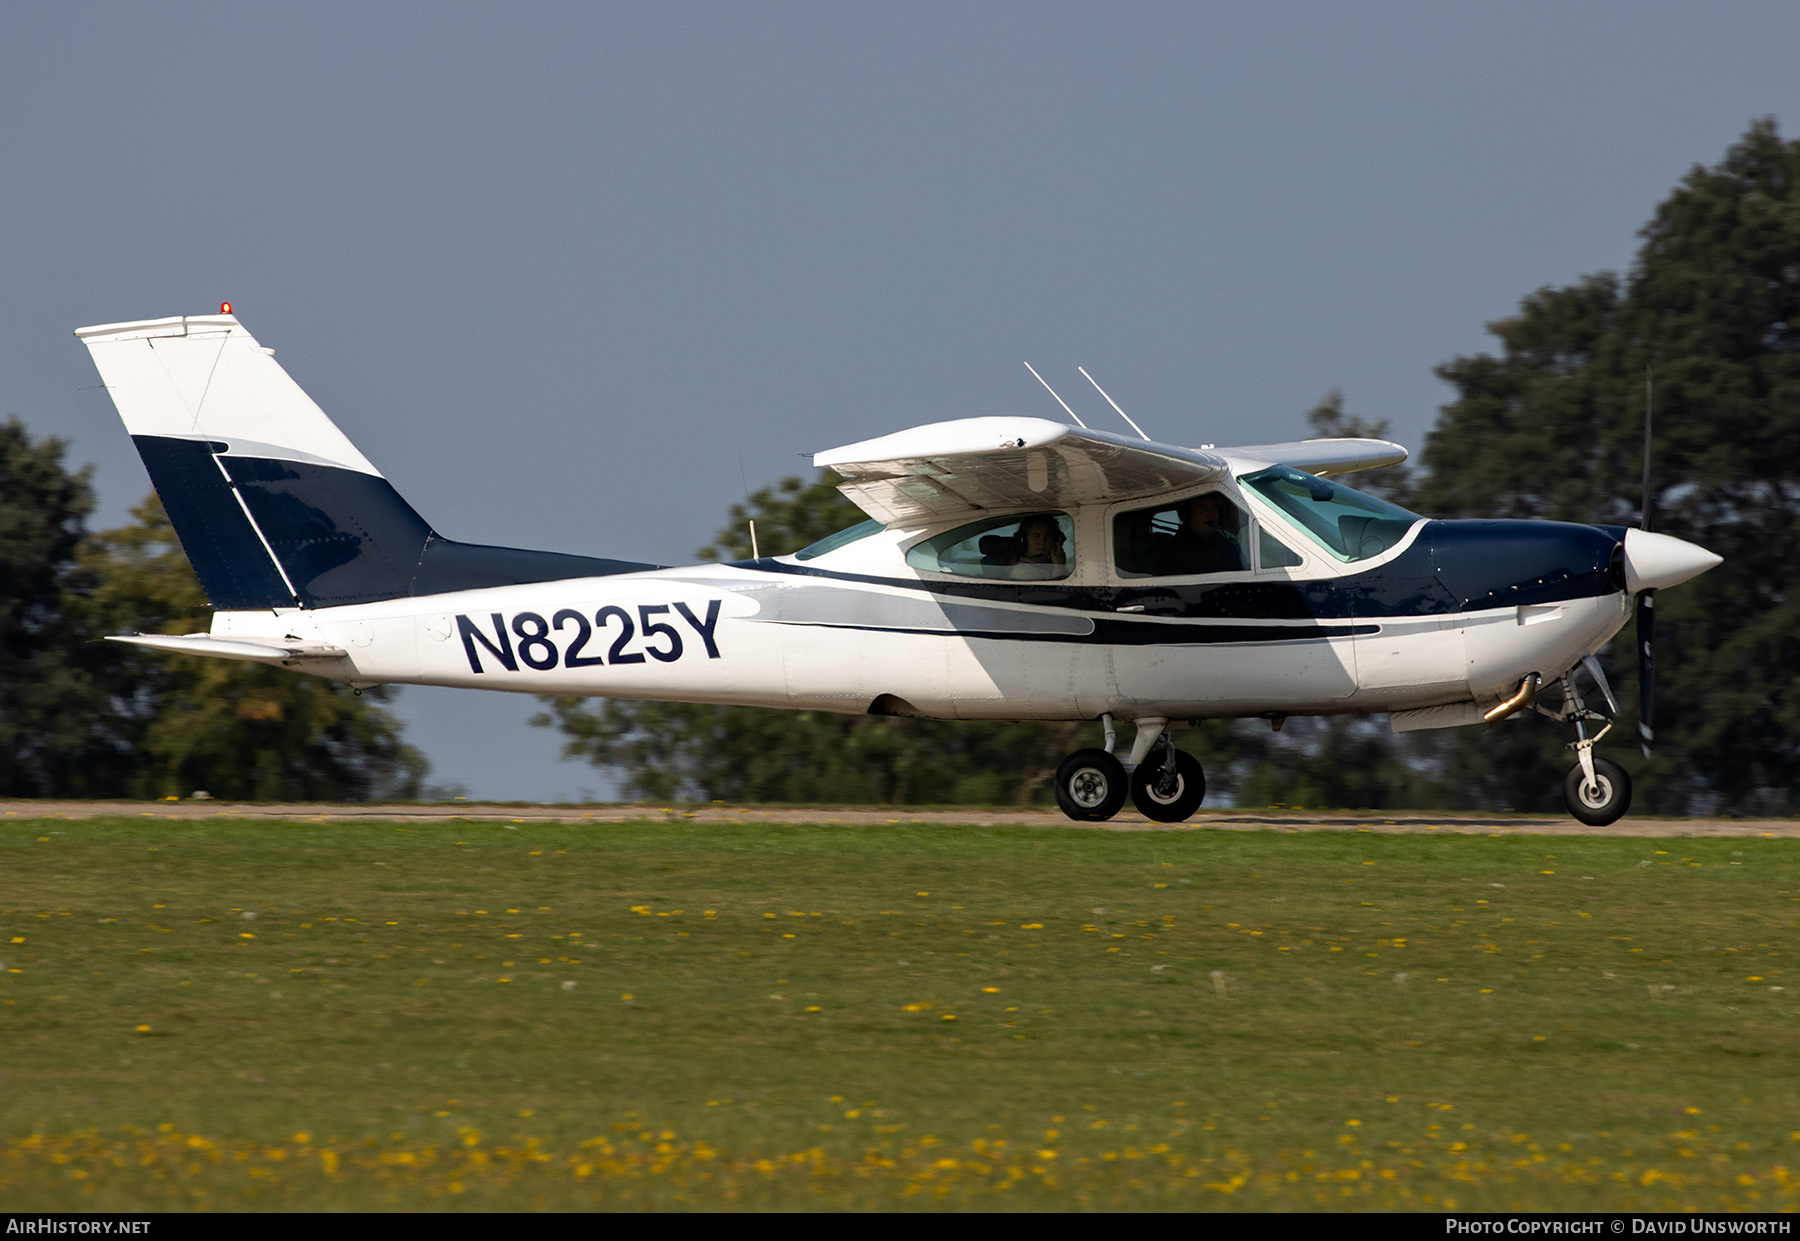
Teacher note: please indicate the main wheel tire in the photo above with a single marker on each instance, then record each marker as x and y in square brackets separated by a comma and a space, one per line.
[1090, 786]
[1166, 797]
[1601, 802]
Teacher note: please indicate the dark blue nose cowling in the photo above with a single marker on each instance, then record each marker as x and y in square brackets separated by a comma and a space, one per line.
[1497, 564]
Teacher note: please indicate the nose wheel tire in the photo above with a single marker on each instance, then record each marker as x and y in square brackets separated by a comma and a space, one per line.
[1169, 797]
[1090, 786]
[1601, 802]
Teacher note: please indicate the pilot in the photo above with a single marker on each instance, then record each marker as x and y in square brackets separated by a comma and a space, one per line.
[1203, 545]
[1040, 543]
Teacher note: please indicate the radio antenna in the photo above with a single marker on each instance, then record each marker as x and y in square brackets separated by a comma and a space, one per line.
[1059, 400]
[1647, 394]
[745, 476]
[1111, 402]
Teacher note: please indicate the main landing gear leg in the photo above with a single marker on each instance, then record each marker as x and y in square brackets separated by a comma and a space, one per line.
[1091, 785]
[1597, 791]
[1170, 787]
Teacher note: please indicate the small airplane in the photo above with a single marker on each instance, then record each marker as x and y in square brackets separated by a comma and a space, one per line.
[1010, 569]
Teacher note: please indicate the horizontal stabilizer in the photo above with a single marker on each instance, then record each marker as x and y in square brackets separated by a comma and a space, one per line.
[227, 648]
[1324, 457]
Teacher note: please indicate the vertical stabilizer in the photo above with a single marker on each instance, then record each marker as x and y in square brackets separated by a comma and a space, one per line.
[274, 506]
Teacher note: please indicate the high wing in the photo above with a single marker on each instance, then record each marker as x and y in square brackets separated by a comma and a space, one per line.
[944, 469]
[1323, 457]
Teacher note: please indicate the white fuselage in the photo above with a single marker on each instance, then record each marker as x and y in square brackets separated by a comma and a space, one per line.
[839, 631]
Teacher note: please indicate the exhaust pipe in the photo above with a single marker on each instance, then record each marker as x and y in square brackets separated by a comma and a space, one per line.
[1521, 699]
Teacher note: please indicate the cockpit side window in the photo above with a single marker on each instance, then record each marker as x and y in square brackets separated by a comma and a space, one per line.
[1202, 534]
[1345, 522]
[1036, 547]
[1272, 553]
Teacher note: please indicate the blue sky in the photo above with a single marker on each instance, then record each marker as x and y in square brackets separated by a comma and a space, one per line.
[553, 268]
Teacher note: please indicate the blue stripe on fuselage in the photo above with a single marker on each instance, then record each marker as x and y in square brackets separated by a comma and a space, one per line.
[1110, 631]
[1450, 567]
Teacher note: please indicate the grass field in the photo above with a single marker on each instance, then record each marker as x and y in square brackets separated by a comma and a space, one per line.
[670, 1014]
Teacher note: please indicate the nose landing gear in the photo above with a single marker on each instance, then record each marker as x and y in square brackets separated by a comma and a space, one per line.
[1597, 791]
[1599, 797]
[1091, 784]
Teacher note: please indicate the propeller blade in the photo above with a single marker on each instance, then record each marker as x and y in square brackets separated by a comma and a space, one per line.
[1646, 644]
[1646, 607]
[1594, 670]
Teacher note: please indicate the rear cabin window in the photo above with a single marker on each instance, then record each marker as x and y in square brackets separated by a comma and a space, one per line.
[1036, 547]
[1201, 534]
[1345, 522]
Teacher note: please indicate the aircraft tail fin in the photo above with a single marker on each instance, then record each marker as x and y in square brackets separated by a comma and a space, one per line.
[274, 506]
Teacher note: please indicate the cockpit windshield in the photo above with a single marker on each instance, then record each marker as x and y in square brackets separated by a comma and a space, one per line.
[1345, 522]
[843, 538]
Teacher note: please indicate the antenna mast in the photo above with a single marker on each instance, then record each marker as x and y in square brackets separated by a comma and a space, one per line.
[745, 476]
[1059, 400]
[1646, 521]
[1111, 402]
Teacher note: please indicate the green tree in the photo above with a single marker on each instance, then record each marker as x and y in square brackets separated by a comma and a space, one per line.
[1552, 427]
[664, 751]
[52, 706]
[238, 730]
[80, 716]
[1339, 761]
[789, 515]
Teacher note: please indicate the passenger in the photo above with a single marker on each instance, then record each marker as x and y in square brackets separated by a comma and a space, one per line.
[1202, 545]
[998, 552]
[1040, 543]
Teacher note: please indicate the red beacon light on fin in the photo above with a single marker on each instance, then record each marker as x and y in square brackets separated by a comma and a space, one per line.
[224, 308]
